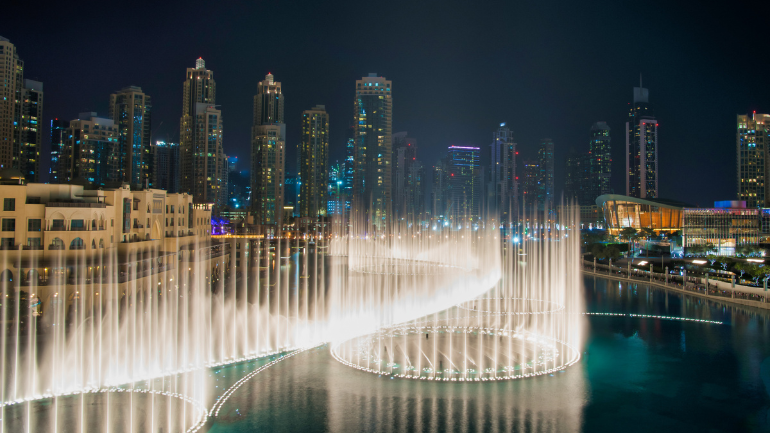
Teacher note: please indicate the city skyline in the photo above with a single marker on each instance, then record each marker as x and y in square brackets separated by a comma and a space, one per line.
[532, 97]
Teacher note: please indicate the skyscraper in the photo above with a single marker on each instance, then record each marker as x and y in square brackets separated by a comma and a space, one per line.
[130, 109]
[751, 137]
[531, 185]
[21, 115]
[314, 162]
[57, 173]
[407, 178]
[12, 77]
[641, 147]
[577, 187]
[268, 153]
[440, 189]
[200, 145]
[464, 183]
[165, 156]
[30, 130]
[91, 152]
[545, 161]
[373, 151]
[268, 102]
[503, 188]
[600, 159]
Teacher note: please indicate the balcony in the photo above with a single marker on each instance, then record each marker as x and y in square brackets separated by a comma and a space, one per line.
[32, 247]
[9, 247]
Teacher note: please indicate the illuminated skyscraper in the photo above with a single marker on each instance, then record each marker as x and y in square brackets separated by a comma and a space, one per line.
[130, 109]
[373, 151]
[641, 147]
[545, 161]
[600, 160]
[57, 173]
[12, 79]
[200, 145]
[165, 157]
[752, 150]
[268, 102]
[531, 185]
[314, 162]
[464, 183]
[268, 154]
[407, 180]
[21, 115]
[91, 152]
[30, 129]
[503, 189]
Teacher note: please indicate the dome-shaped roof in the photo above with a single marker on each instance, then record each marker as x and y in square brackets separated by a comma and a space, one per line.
[12, 176]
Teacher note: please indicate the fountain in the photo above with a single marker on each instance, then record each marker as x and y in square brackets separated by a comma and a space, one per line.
[132, 342]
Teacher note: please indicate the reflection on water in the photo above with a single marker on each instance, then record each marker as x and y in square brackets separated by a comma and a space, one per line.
[636, 375]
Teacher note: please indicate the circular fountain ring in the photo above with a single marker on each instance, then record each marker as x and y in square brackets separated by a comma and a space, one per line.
[537, 355]
[535, 306]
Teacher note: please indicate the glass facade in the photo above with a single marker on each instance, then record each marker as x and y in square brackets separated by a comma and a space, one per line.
[751, 155]
[725, 229]
[622, 211]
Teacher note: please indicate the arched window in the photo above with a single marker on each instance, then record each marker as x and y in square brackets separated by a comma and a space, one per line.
[93, 244]
[77, 244]
[56, 244]
[101, 243]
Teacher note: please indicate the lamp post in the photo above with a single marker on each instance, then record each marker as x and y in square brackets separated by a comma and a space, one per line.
[666, 277]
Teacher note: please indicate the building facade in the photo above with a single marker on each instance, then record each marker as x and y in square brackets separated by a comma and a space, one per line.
[641, 147]
[503, 186]
[407, 179]
[91, 153]
[373, 157]
[165, 162]
[57, 172]
[314, 163]
[200, 144]
[751, 139]
[600, 157]
[268, 153]
[545, 157]
[726, 226]
[30, 133]
[12, 77]
[131, 110]
[464, 182]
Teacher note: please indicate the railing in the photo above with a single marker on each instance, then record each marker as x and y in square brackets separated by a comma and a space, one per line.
[138, 226]
[688, 284]
[68, 204]
[55, 247]
[9, 247]
[32, 247]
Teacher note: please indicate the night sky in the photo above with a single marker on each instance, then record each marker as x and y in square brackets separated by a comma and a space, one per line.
[459, 68]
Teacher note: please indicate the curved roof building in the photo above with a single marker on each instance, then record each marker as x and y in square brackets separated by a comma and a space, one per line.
[622, 211]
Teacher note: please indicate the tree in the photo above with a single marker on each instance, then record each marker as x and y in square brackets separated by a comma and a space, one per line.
[628, 233]
[740, 267]
[712, 258]
[647, 232]
[598, 251]
[612, 252]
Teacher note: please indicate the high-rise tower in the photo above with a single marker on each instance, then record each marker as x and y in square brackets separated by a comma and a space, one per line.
[21, 115]
[30, 130]
[130, 109]
[58, 172]
[268, 102]
[464, 183]
[502, 191]
[314, 162]
[600, 159]
[751, 139]
[373, 152]
[200, 144]
[545, 161]
[641, 147]
[268, 154]
[12, 77]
